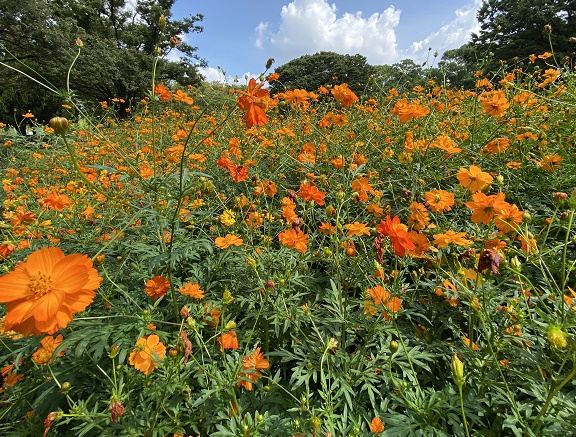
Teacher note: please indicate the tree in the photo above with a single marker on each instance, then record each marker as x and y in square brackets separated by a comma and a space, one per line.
[120, 44]
[515, 29]
[309, 72]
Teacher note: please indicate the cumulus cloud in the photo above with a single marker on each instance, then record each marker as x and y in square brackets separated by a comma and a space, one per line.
[212, 74]
[310, 26]
[449, 36]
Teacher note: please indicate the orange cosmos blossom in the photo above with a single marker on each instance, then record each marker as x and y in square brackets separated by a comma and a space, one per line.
[344, 95]
[484, 207]
[407, 111]
[254, 103]
[147, 353]
[398, 234]
[228, 340]
[294, 238]
[227, 241]
[253, 364]
[192, 290]
[494, 103]
[43, 355]
[439, 200]
[43, 293]
[310, 192]
[376, 426]
[473, 178]
[157, 287]
[56, 201]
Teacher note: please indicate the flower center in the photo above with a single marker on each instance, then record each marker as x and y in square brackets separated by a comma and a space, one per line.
[40, 284]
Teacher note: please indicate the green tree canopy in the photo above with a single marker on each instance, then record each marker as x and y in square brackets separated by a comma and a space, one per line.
[324, 68]
[120, 42]
[516, 29]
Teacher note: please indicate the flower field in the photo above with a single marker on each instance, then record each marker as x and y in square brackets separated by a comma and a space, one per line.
[224, 262]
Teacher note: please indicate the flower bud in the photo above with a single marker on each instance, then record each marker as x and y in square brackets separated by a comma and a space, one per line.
[557, 337]
[269, 63]
[162, 22]
[230, 325]
[65, 387]
[59, 124]
[227, 297]
[457, 367]
[315, 422]
[79, 43]
[393, 346]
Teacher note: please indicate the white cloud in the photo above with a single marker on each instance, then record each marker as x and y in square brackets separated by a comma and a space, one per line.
[450, 36]
[212, 74]
[310, 26]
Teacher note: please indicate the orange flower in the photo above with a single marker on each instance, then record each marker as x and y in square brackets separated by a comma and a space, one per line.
[361, 186]
[450, 236]
[376, 426]
[419, 218]
[344, 95]
[439, 200]
[181, 96]
[310, 192]
[227, 241]
[253, 364]
[484, 207]
[44, 292]
[160, 90]
[494, 103]
[288, 209]
[228, 340]
[357, 228]
[380, 296]
[508, 219]
[474, 178]
[294, 238]
[147, 353]
[398, 233]
[550, 163]
[495, 146]
[56, 201]
[254, 102]
[49, 345]
[407, 111]
[192, 290]
[327, 228]
[157, 287]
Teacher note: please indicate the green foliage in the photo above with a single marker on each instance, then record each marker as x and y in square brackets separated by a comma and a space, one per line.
[309, 72]
[513, 30]
[120, 44]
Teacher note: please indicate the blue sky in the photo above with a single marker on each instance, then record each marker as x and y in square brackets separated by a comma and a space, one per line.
[239, 36]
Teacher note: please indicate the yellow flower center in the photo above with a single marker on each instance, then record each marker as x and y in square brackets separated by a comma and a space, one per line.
[40, 284]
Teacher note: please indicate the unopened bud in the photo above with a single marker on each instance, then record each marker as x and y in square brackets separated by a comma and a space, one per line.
[457, 367]
[556, 337]
[227, 297]
[393, 346]
[269, 63]
[162, 22]
[59, 124]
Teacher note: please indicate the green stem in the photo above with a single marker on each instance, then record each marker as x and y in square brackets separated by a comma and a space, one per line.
[462, 410]
[74, 161]
[551, 396]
